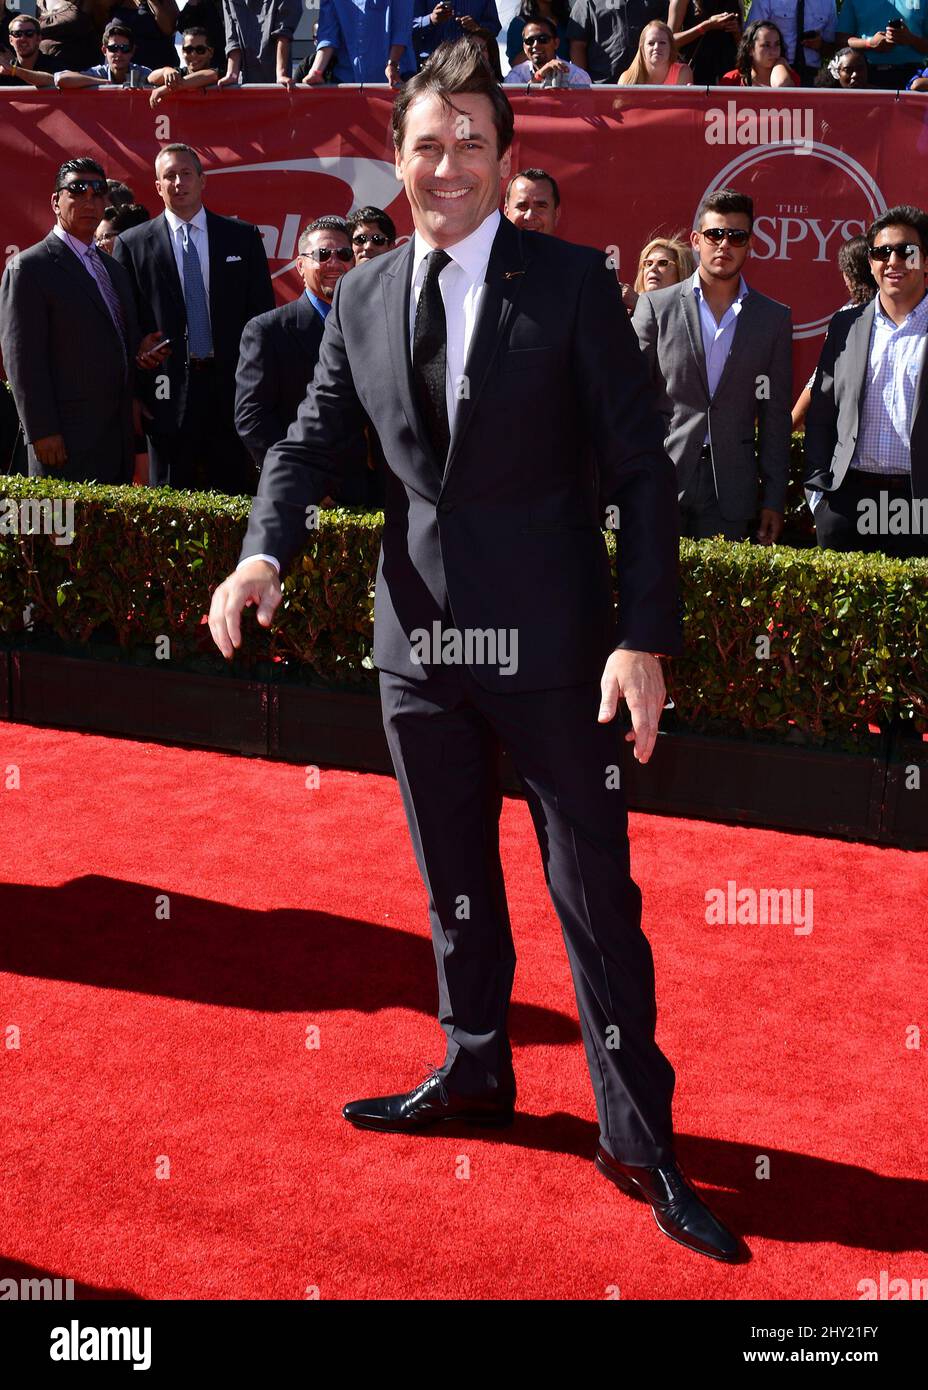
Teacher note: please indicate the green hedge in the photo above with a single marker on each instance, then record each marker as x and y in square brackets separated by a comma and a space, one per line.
[844, 633]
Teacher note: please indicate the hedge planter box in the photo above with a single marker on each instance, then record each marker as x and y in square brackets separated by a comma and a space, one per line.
[777, 785]
[905, 811]
[139, 701]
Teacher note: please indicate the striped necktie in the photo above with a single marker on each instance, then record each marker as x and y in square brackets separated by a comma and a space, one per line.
[199, 333]
[108, 291]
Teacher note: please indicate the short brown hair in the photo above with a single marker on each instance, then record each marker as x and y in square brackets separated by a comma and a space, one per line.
[178, 148]
[455, 68]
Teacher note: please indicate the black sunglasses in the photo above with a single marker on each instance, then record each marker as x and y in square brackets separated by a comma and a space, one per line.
[736, 235]
[23, 33]
[375, 239]
[322, 253]
[537, 38]
[908, 251]
[119, 48]
[194, 48]
[78, 187]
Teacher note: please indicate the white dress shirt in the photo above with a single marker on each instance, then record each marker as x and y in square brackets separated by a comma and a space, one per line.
[897, 355]
[717, 338]
[197, 230]
[461, 284]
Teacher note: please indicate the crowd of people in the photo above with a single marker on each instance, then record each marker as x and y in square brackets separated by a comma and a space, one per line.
[551, 43]
[149, 348]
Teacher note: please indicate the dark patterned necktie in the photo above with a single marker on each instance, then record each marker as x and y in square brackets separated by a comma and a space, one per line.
[429, 356]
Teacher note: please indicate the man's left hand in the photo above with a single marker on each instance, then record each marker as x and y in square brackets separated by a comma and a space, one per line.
[152, 351]
[636, 678]
[771, 526]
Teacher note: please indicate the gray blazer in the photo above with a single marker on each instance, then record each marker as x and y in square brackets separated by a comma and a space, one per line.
[64, 361]
[755, 389]
[833, 420]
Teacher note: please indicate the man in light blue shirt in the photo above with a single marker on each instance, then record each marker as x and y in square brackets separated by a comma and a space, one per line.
[364, 41]
[866, 445]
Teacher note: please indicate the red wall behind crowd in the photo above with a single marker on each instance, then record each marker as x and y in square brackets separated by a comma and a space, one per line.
[819, 165]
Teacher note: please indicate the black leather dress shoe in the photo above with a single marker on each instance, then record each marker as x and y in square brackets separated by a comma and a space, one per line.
[678, 1211]
[430, 1103]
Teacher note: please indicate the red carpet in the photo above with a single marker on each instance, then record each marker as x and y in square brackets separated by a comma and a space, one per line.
[146, 1042]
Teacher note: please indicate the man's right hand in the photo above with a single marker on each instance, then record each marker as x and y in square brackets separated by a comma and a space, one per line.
[254, 583]
[50, 451]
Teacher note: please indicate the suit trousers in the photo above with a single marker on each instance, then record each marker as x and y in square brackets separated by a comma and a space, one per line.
[445, 734]
[205, 452]
[700, 516]
[839, 516]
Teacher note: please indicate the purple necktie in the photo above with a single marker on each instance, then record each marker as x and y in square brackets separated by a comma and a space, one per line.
[108, 290]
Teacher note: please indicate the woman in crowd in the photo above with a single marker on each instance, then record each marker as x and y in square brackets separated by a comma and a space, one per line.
[558, 11]
[199, 68]
[664, 261]
[854, 265]
[490, 49]
[761, 61]
[116, 220]
[72, 31]
[707, 32]
[848, 68]
[657, 62]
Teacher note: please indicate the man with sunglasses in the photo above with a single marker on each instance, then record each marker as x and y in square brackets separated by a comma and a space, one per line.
[866, 442]
[544, 68]
[117, 69]
[372, 233]
[199, 278]
[279, 351]
[27, 65]
[199, 68]
[70, 339]
[720, 355]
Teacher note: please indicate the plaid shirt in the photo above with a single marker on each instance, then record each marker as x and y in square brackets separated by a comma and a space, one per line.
[896, 356]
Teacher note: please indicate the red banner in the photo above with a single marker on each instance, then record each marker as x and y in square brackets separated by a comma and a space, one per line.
[819, 165]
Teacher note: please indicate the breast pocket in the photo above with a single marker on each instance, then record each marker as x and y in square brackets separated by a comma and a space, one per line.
[528, 359]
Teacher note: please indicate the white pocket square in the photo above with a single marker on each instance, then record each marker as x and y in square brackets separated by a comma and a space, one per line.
[232, 258]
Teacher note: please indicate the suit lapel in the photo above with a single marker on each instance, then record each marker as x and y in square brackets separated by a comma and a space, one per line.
[216, 264]
[81, 278]
[164, 256]
[395, 285]
[858, 350]
[504, 278]
[694, 331]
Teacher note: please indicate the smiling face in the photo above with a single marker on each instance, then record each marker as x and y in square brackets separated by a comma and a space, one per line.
[531, 205]
[24, 36]
[449, 166]
[539, 43]
[900, 280]
[321, 277]
[197, 53]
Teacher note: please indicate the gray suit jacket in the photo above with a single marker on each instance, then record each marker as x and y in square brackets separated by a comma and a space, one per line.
[755, 389]
[64, 361]
[833, 420]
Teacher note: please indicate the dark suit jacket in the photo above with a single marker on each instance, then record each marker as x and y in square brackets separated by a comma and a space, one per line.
[754, 390]
[239, 288]
[65, 363]
[833, 421]
[511, 537]
[275, 366]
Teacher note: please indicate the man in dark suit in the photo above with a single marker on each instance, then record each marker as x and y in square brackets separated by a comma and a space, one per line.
[70, 339]
[720, 356]
[199, 278]
[278, 357]
[866, 444]
[494, 622]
